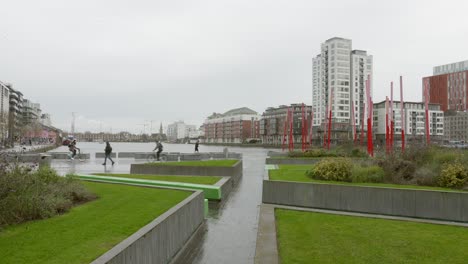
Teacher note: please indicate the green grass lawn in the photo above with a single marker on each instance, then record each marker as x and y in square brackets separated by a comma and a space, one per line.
[306, 237]
[297, 173]
[88, 230]
[200, 163]
[210, 180]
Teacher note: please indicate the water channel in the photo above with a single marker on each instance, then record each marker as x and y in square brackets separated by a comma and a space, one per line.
[231, 229]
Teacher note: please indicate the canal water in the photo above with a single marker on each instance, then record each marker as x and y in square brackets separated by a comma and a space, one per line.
[231, 229]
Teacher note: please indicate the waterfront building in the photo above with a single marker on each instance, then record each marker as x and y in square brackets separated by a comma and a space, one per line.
[339, 75]
[415, 120]
[15, 114]
[4, 113]
[448, 86]
[178, 131]
[273, 121]
[456, 126]
[46, 120]
[31, 112]
[235, 126]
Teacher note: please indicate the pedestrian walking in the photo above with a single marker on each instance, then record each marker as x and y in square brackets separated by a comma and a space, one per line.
[108, 151]
[196, 146]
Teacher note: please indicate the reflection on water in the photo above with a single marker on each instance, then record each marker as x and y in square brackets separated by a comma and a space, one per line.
[231, 229]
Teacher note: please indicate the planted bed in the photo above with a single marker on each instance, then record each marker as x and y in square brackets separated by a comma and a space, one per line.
[89, 230]
[307, 237]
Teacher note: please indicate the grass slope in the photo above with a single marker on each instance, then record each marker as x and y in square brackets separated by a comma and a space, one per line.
[89, 230]
[306, 237]
[210, 180]
[297, 173]
[200, 163]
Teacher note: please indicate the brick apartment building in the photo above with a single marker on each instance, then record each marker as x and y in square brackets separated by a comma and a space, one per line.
[272, 123]
[235, 126]
[448, 86]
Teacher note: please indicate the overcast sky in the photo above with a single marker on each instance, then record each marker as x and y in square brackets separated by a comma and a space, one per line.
[120, 64]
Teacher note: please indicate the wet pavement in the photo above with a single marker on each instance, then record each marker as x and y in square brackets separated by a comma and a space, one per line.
[231, 229]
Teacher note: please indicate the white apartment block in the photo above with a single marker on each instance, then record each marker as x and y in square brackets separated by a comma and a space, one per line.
[339, 75]
[179, 130]
[415, 119]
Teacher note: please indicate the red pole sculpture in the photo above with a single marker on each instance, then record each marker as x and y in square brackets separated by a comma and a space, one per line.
[392, 121]
[330, 120]
[371, 133]
[291, 136]
[325, 129]
[362, 125]
[286, 124]
[426, 99]
[369, 118]
[402, 116]
[387, 129]
[311, 126]
[353, 120]
[304, 128]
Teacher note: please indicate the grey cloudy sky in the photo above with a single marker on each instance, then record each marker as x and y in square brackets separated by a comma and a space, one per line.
[119, 64]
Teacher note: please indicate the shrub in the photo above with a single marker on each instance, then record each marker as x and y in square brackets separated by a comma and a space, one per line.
[338, 169]
[453, 175]
[367, 174]
[29, 195]
[358, 153]
[425, 176]
[398, 170]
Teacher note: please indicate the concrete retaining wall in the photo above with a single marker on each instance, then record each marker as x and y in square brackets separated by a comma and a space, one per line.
[291, 161]
[449, 206]
[64, 155]
[235, 172]
[301, 161]
[102, 155]
[226, 186]
[160, 240]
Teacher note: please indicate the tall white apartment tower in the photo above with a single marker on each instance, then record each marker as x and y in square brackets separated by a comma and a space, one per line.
[339, 75]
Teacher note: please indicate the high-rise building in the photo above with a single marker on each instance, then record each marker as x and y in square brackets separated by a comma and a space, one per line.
[339, 75]
[448, 86]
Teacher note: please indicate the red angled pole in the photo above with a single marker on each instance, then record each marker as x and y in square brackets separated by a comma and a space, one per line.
[304, 128]
[392, 121]
[402, 116]
[387, 129]
[291, 136]
[353, 120]
[426, 99]
[330, 120]
[325, 129]
[286, 124]
[311, 126]
[362, 125]
[369, 118]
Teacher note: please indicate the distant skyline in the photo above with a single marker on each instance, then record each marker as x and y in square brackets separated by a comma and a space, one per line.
[119, 64]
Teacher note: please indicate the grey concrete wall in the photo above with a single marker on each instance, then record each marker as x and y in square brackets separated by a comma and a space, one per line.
[295, 161]
[226, 186]
[102, 155]
[160, 240]
[301, 161]
[64, 155]
[126, 155]
[449, 206]
[277, 154]
[235, 172]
